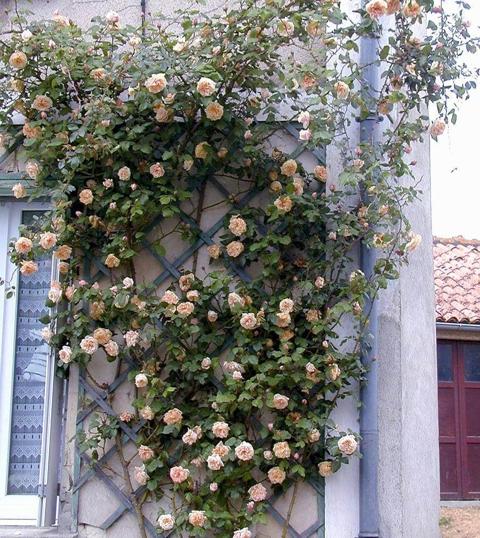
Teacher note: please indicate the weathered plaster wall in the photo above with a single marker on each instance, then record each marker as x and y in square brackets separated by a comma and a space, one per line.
[408, 458]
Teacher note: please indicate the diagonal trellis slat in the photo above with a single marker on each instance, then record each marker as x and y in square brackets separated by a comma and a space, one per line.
[97, 400]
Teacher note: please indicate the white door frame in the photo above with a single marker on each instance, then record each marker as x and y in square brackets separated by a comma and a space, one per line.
[14, 509]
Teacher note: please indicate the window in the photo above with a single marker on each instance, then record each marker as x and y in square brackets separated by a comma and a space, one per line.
[26, 377]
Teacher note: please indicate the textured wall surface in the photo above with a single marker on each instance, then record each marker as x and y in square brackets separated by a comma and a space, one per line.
[408, 458]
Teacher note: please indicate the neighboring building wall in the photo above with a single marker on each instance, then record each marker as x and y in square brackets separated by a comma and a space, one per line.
[408, 461]
[408, 423]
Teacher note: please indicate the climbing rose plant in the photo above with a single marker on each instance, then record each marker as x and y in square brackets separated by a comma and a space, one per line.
[235, 378]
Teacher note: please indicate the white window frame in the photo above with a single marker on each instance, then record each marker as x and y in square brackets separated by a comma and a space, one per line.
[40, 509]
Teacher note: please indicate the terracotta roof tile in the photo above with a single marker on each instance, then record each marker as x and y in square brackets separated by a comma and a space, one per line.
[456, 264]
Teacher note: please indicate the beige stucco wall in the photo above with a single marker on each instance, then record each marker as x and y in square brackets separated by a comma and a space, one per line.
[408, 459]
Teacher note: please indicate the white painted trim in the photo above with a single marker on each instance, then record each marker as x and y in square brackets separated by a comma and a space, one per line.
[14, 509]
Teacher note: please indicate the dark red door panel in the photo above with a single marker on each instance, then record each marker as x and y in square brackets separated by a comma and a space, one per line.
[459, 419]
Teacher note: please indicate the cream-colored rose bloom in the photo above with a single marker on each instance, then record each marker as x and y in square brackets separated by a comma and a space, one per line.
[65, 354]
[333, 372]
[162, 114]
[206, 87]
[141, 476]
[237, 226]
[190, 437]
[28, 267]
[173, 416]
[32, 168]
[220, 429]
[214, 111]
[376, 8]
[319, 282]
[31, 132]
[257, 493]
[437, 128]
[185, 281]
[197, 518]
[156, 83]
[235, 300]
[141, 381]
[341, 89]
[112, 261]
[145, 453]
[157, 170]
[19, 191]
[169, 297]
[185, 309]
[313, 28]
[42, 103]
[63, 252]
[102, 336]
[313, 436]
[23, 245]
[284, 204]
[112, 348]
[166, 522]
[221, 449]
[146, 413]
[312, 315]
[280, 401]
[275, 186]
[412, 9]
[289, 168]
[325, 468]
[48, 240]
[214, 251]
[242, 533]
[286, 305]
[320, 173]
[283, 319]
[214, 462]
[235, 248]
[282, 450]
[18, 60]
[193, 295]
[248, 321]
[414, 242]
[86, 196]
[347, 444]
[124, 173]
[89, 345]
[393, 6]
[276, 475]
[55, 292]
[212, 316]
[244, 451]
[201, 150]
[298, 186]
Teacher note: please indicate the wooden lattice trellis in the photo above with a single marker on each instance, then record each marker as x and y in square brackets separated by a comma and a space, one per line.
[92, 399]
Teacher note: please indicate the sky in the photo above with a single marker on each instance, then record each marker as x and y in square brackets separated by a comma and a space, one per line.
[456, 167]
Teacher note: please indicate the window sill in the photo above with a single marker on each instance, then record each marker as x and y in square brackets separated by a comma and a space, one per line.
[33, 532]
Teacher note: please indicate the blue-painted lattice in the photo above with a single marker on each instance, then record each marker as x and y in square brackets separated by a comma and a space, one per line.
[93, 399]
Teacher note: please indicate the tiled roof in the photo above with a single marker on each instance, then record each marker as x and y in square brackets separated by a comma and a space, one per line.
[456, 264]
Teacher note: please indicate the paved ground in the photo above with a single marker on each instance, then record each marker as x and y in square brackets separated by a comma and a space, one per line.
[460, 522]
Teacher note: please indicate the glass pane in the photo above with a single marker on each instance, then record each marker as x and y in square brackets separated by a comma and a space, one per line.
[445, 361]
[471, 357]
[31, 354]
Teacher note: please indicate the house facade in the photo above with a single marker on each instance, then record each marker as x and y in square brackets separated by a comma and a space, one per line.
[48, 488]
[457, 285]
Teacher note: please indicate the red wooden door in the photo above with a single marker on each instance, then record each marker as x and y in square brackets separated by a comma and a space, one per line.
[459, 419]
